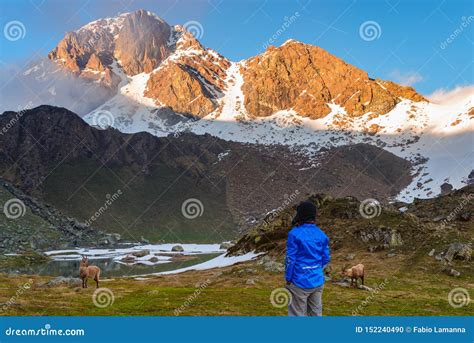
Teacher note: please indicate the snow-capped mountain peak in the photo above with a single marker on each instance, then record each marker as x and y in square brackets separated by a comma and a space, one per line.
[163, 81]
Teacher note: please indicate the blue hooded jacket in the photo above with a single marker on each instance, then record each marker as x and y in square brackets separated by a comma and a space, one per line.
[307, 253]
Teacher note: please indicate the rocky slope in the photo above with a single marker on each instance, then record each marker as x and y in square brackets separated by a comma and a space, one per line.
[295, 76]
[431, 224]
[29, 224]
[307, 79]
[51, 153]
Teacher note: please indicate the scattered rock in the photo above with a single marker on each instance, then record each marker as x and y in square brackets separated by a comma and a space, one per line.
[431, 253]
[459, 251]
[451, 272]
[177, 248]
[346, 284]
[250, 282]
[379, 247]
[274, 267]
[446, 188]
[62, 281]
[365, 288]
[390, 255]
[349, 257]
[225, 245]
[270, 265]
[384, 236]
[464, 216]
[112, 238]
[128, 259]
[144, 240]
[395, 239]
[141, 253]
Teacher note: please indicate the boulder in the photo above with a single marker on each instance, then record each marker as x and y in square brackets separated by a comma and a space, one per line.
[270, 265]
[395, 239]
[141, 253]
[349, 257]
[144, 240]
[225, 245]
[459, 251]
[62, 281]
[177, 248]
[274, 267]
[451, 272]
[128, 259]
[446, 188]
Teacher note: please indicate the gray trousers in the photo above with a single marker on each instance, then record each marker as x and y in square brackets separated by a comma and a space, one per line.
[305, 301]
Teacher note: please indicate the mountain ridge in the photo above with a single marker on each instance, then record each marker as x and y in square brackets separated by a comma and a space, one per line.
[296, 95]
[52, 154]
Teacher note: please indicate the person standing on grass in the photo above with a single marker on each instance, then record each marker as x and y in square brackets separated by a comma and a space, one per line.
[307, 253]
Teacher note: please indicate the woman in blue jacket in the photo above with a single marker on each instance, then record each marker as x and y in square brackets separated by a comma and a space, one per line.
[307, 253]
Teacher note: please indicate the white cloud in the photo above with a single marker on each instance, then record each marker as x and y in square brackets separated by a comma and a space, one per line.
[444, 96]
[405, 79]
[43, 83]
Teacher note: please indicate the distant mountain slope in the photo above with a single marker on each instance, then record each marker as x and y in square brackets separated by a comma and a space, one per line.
[52, 153]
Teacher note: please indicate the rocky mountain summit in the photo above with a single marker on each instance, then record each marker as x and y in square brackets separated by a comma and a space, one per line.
[160, 79]
[190, 79]
[182, 74]
[307, 79]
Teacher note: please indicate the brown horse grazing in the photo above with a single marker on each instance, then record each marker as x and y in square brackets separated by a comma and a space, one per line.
[86, 271]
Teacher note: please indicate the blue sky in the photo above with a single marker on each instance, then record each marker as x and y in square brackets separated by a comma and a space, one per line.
[428, 44]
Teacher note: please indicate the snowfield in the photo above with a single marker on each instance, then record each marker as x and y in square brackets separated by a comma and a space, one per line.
[157, 253]
[218, 262]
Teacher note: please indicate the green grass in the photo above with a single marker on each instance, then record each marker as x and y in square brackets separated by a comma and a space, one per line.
[404, 294]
